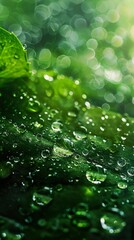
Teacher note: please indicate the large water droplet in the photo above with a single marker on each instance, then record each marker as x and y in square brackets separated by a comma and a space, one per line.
[61, 152]
[122, 185]
[95, 177]
[33, 106]
[48, 78]
[57, 126]
[113, 224]
[42, 197]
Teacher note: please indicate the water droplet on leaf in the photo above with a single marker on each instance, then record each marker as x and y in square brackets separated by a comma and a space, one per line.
[61, 152]
[57, 126]
[95, 177]
[122, 185]
[45, 153]
[130, 171]
[34, 106]
[112, 224]
[42, 198]
[79, 135]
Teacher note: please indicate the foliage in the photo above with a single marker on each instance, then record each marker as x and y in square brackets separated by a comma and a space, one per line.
[12, 57]
[66, 167]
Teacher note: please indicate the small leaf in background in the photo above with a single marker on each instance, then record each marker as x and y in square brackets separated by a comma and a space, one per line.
[13, 63]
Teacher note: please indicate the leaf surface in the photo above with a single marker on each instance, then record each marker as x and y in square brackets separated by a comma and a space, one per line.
[13, 63]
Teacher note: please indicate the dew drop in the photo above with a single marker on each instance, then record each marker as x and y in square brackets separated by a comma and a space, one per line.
[130, 171]
[48, 78]
[15, 145]
[102, 129]
[34, 106]
[95, 177]
[79, 135]
[122, 185]
[112, 224]
[72, 114]
[121, 162]
[57, 126]
[61, 152]
[45, 153]
[85, 152]
[42, 198]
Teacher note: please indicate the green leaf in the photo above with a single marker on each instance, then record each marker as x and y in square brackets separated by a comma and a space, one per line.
[13, 63]
[62, 160]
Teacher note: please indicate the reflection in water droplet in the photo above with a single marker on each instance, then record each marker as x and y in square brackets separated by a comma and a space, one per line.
[113, 224]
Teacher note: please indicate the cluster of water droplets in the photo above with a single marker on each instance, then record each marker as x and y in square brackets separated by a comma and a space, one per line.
[64, 164]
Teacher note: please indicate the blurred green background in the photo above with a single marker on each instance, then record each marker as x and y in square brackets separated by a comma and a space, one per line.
[89, 40]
